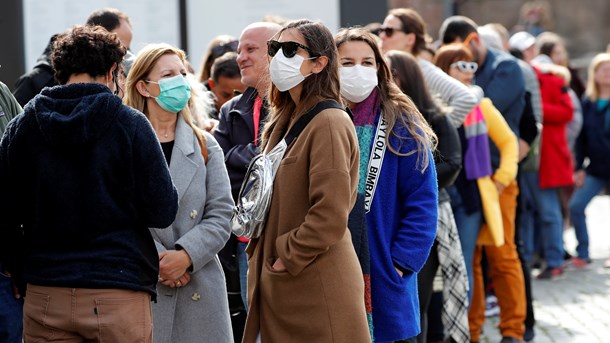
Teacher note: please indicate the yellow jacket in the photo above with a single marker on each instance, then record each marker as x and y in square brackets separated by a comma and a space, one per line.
[492, 232]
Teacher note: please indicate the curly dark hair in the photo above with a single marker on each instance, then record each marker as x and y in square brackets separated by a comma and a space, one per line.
[85, 49]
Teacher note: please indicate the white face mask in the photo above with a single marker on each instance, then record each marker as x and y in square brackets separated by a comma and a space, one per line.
[357, 82]
[285, 72]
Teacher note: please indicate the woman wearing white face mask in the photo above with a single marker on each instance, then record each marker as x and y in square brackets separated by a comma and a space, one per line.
[397, 190]
[304, 280]
[192, 305]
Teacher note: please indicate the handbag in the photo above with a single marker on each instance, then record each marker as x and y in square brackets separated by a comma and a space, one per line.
[250, 212]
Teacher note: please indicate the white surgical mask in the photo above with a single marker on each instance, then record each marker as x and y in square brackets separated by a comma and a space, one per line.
[285, 72]
[357, 82]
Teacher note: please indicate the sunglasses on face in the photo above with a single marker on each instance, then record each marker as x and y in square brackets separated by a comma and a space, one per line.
[467, 67]
[389, 31]
[220, 50]
[289, 49]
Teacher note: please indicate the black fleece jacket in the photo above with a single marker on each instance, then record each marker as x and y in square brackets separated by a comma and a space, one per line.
[84, 179]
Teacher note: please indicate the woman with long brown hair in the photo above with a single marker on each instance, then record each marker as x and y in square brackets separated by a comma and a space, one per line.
[398, 191]
[304, 280]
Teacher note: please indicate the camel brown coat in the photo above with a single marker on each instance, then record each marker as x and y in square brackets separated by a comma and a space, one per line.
[320, 297]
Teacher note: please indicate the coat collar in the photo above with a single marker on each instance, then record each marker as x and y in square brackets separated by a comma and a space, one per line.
[186, 157]
[245, 107]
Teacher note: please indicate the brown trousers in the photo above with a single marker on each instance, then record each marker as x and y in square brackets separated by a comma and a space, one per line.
[56, 314]
[505, 271]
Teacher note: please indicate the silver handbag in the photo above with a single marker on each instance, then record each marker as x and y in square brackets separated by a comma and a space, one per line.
[252, 208]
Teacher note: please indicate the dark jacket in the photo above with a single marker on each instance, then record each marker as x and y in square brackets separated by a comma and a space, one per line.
[42, 75]
[235, 134]
[448, 154]
[86, 178]
[594, 140]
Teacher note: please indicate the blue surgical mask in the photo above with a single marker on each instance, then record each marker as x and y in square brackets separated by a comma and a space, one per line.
[175, 93]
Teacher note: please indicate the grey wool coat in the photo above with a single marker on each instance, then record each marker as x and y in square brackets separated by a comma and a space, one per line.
[199, 311]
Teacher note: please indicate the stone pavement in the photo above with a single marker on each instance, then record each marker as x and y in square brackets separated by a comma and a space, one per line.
[576, 307]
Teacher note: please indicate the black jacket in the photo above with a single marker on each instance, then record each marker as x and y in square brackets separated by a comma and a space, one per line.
[448, 155]
[85, 178]
[41, 76]
[235, 134]
[594, 140]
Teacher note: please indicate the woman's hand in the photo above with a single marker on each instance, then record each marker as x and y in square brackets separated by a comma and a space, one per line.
[180, 282]
[173, 264]
[279, 266]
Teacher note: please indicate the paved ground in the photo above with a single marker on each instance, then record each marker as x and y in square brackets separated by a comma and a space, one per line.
[575, 308]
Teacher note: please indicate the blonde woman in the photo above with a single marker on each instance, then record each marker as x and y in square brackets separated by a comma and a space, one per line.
[192, 305]
[594, 144]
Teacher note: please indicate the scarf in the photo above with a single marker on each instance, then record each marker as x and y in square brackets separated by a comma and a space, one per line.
[477, 160]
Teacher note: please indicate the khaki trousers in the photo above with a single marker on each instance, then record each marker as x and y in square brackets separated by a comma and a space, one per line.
[56, 314]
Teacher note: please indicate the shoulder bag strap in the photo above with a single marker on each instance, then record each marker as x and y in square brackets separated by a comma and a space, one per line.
[375, 162]
[307, 117]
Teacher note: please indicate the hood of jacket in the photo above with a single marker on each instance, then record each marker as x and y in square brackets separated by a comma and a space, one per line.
[75, 114]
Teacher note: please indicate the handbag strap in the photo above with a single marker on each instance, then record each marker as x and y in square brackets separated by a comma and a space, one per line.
[307, 117]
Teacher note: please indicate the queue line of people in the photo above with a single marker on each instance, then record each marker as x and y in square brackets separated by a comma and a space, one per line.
[416, 171]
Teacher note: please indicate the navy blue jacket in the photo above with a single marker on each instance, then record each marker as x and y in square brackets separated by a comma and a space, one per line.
[594, 140]
[84, 179]
[501, 79]
[235, 134]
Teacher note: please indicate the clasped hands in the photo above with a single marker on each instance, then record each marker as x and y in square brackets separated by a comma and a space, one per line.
[173, 265]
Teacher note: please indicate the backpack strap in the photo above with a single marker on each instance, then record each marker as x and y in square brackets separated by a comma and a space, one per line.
[307, 117]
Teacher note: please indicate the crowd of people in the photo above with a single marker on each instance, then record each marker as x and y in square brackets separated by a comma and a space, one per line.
[461, 159]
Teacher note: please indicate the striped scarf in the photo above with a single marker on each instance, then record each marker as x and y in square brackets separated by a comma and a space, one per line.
[365, 114]
[477, 160]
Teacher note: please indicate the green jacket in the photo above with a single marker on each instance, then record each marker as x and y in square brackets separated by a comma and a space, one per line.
[9, 107]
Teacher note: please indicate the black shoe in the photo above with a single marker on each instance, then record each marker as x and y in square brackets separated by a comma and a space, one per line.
[529, 334]
[507, 339]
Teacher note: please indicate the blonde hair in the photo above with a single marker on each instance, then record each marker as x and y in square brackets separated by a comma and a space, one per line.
[592, 91]
[142, 66]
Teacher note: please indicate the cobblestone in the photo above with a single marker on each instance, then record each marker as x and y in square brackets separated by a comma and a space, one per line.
[576, 307]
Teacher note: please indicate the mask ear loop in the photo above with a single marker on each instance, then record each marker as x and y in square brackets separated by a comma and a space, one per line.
[116, 81]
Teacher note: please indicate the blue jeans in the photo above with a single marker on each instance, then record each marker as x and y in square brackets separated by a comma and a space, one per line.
[468, 226]
[242, 259]
[552, 227]
[11, 312]
[580, 199]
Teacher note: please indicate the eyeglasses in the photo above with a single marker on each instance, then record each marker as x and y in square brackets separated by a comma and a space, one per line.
[467, 67]
[389, 31]
[289, 49]
[220, 50]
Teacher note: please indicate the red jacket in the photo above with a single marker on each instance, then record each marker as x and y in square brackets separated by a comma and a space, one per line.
[556, 166]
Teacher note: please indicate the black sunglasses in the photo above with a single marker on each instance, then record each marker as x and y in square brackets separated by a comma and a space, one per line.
[389, 31]
[220, 50]
[289, 49]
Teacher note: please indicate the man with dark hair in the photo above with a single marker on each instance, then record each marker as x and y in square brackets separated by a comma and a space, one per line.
[501, 79]
[87, 179]
[226, 79]
[115, 21]
[41, 75]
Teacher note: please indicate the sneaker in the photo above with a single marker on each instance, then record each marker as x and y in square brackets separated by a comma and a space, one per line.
[550, 273]
[529, 334]
[580, 263]
[492, 308]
